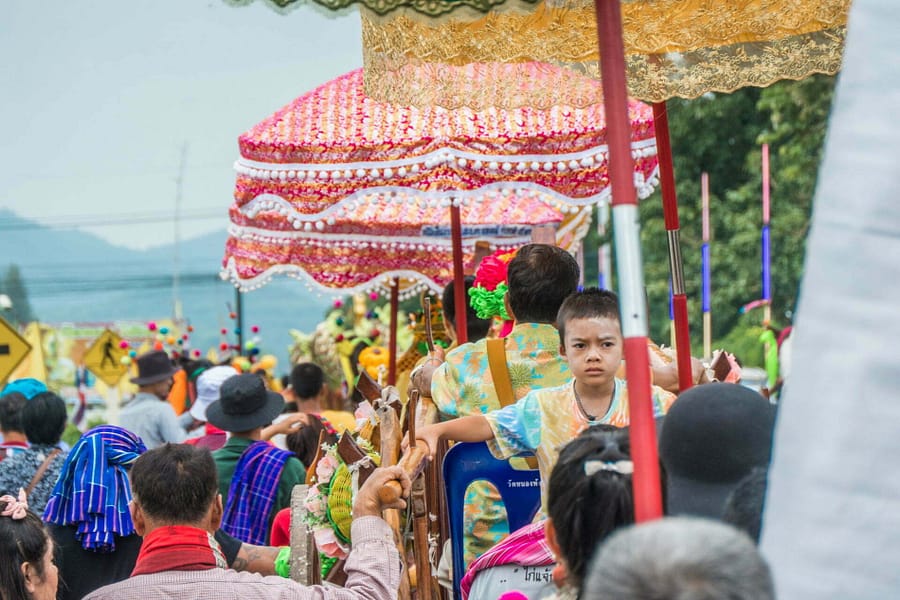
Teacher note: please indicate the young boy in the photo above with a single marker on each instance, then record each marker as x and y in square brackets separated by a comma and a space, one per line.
[546, 419]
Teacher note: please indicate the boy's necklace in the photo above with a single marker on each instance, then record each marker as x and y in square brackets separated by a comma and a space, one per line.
[584, 412]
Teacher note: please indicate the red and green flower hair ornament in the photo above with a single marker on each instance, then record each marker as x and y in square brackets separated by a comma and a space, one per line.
[486, 295]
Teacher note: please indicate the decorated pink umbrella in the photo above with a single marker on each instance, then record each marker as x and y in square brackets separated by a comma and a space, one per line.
[335, 145]
[335, 149]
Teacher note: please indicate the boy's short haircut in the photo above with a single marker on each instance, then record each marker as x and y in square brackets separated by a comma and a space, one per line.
[592, 303]
[540, 277]
[307, 380]
[11, 406]
[175, 483]
[475, 328]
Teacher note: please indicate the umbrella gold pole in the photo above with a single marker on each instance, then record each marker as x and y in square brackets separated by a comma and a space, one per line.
[459, 283]
[630, 276]
[392, 341]
[673, 229]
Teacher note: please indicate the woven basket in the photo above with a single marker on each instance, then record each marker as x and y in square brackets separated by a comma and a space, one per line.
[340, 500]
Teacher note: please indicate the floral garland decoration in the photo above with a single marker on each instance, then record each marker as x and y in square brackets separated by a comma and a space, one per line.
[317, 505]
[320, 503]
[486, 295]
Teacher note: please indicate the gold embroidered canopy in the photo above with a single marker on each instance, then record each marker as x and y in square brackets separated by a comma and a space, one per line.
[681, 48]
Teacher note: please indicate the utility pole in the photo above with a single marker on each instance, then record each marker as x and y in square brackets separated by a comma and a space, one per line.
[179, 181]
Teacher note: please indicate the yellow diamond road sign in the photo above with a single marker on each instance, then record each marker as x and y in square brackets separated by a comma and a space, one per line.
[13, 349]
[104, 358]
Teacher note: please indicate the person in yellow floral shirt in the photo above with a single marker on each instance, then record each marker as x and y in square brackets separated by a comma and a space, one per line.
[546, 419]
[539, 278]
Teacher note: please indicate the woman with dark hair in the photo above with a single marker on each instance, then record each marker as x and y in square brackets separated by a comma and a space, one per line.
[37, 468]
[27, 571]
[305, 441]
[589, 497]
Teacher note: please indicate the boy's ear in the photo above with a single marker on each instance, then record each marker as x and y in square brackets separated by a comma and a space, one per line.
[562, 350]
[509, 309]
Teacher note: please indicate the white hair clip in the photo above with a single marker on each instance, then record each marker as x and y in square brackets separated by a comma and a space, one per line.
[624, 467]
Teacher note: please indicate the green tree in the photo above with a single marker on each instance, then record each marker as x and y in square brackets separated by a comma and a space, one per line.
[721, 134]
[14, 286]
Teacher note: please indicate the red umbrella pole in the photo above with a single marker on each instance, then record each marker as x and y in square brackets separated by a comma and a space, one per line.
[392, 340]
[459, 282]
[626, 226]
[673, 232]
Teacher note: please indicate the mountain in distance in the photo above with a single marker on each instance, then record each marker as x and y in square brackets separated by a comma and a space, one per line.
[73, 276]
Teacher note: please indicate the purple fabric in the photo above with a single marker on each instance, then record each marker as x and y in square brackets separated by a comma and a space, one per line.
[251, 496]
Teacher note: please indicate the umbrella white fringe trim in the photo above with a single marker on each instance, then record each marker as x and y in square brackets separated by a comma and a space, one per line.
[516, 233]
[274, 203]
[381, 282]
[571, 161]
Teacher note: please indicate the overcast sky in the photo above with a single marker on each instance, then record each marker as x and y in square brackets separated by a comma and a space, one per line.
[99, 96]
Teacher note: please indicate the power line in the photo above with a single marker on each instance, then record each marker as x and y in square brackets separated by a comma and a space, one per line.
[105, 220]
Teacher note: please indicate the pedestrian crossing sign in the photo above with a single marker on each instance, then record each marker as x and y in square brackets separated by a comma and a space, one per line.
[104, 358]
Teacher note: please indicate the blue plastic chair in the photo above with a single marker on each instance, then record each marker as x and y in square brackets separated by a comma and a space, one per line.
[519, 489]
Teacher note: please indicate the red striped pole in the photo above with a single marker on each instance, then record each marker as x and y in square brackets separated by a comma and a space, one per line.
[629, 269]
[673, 233]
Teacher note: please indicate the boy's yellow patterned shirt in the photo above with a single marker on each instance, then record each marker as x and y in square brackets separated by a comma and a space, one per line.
[545, 420]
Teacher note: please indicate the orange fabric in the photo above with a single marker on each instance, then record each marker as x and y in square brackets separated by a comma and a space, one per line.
[179, 393]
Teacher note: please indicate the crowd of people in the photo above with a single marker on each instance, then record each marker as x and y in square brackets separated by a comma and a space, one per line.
[196, 505]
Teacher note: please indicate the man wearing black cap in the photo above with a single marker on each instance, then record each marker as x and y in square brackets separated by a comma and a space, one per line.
[713, 436]
[255, 477]
[149, 415]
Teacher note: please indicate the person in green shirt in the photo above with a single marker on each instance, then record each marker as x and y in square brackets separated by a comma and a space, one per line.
[255, 477]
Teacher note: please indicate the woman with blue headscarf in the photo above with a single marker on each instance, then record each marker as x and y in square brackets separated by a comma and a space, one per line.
[87, 514]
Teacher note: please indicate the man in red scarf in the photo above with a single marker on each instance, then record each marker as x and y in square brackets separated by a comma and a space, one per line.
[177, 507]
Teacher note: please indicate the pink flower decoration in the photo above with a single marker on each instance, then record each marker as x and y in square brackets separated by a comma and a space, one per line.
[328, 543]
[364, 411]
[314, 503]
[325, 468]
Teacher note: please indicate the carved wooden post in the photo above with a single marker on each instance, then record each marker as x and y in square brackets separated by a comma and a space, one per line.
[304, 557]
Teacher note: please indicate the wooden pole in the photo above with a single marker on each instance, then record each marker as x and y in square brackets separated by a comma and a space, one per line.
[459, 282]
[392, 340]
[766, 240]
[706, 269]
